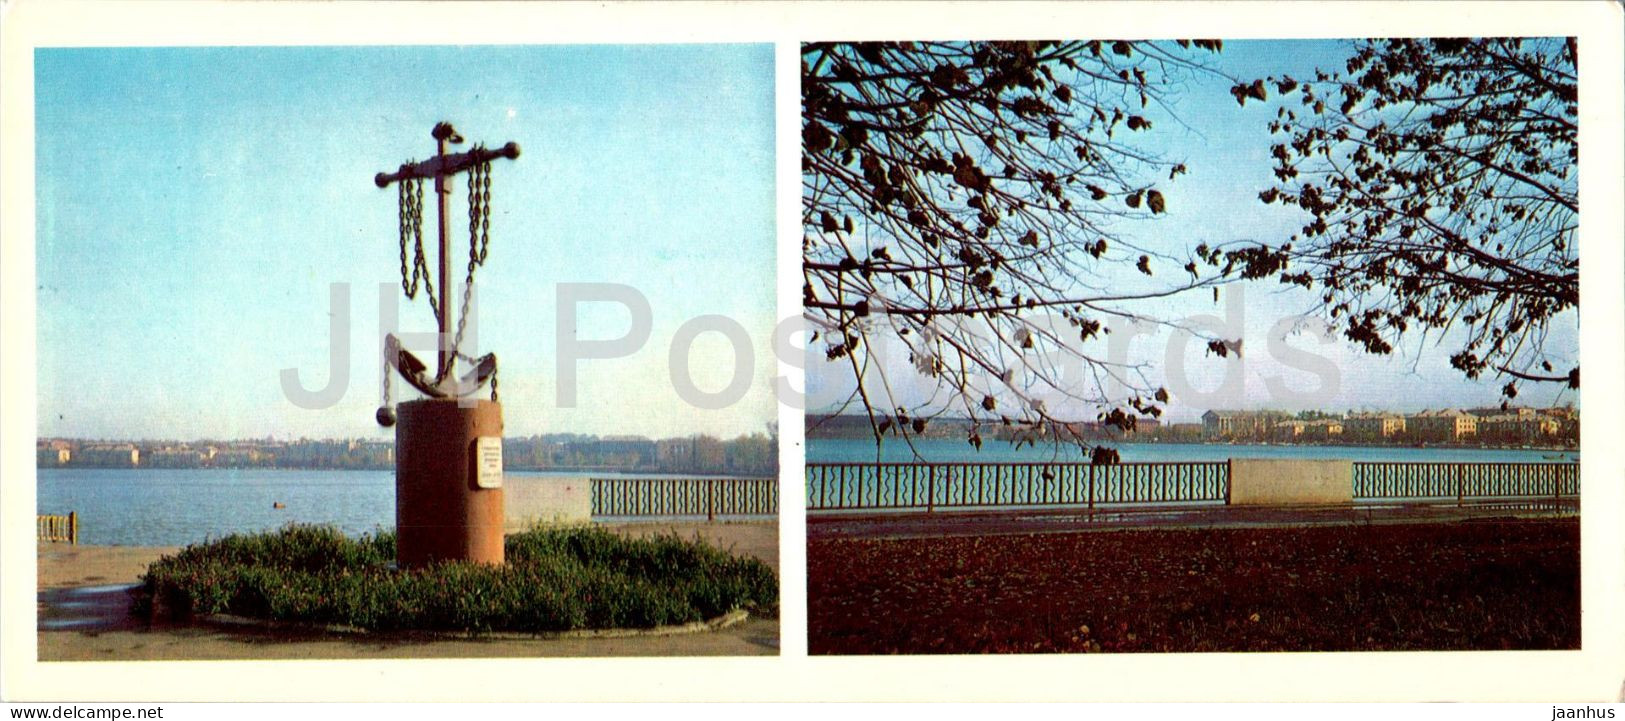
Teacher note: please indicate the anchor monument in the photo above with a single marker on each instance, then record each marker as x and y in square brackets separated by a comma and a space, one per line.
[448, 445]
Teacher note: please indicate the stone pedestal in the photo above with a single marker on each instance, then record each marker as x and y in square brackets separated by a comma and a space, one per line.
[448, 496]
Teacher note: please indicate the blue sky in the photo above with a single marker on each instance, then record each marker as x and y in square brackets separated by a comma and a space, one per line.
[195, 204]
[1226, 148]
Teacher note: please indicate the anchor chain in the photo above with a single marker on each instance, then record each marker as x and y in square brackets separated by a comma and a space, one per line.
[386, 411]
[411, 229]
[479, 245]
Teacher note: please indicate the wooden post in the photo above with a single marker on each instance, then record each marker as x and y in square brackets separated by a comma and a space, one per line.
[73, 527]
[1458, 485]
[711, 500]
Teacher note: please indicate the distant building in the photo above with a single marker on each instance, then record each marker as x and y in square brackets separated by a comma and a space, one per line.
[1561, 413]
[1321, 429]
[237, 457]
[308, 453]
[116, 456]
[1518, 411]
[1568, 421]
[48, 457]
[1442, 425]
[380, 452]
[1374, 424]
[1518, 427]
[1190, 430]
[1241, 424]
[174, 457]
[1287, 430]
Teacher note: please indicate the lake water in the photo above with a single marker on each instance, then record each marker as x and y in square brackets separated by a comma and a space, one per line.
[174, 507]
[946, 450]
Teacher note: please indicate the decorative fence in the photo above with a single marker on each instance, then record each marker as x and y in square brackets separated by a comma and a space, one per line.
[709, 497]
[928, 487]
[902, 486]
[1461, 481]
[58, 529]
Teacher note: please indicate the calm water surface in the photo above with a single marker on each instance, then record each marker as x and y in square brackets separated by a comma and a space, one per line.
[173, 507]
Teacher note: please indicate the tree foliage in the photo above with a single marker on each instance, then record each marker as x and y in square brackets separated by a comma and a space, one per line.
[1439, 181]
[955, 192]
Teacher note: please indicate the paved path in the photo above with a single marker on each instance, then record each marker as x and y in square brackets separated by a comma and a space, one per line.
[84, 600]
[1013, 521]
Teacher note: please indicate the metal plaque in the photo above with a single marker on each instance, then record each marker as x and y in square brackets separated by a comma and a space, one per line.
[488, 462]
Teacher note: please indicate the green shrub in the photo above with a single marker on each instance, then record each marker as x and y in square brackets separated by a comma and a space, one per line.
[554, 580]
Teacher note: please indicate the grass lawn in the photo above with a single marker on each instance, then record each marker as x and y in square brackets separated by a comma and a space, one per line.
[1466, 585]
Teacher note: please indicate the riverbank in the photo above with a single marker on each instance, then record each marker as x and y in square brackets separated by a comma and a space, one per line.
[83, 608]
[1483, 584]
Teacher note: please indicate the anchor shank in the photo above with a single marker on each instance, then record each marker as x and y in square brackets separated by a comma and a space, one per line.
[442, 190]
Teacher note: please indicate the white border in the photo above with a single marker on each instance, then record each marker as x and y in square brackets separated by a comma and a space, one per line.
[1595, 673]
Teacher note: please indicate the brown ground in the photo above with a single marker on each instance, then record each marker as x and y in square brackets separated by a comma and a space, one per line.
[84, 615]
[63, 566]
[1481, 584]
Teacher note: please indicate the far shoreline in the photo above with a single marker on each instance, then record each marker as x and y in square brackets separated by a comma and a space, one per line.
[1156, 442]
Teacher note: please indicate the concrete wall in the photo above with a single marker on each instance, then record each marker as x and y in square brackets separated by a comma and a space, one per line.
[546, 501]
[1272, 481]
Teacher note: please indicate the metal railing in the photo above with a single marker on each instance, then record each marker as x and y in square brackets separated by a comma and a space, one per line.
[912, 486]
[932, 486]
[709, 497]
[1465, 480]
[58, 529]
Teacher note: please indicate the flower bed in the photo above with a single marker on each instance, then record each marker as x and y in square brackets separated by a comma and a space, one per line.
[554, 580]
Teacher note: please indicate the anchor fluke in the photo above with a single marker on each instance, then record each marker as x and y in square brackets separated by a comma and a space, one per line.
[483, 368]
[415, 373]
[411, 368]
[408, 364]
